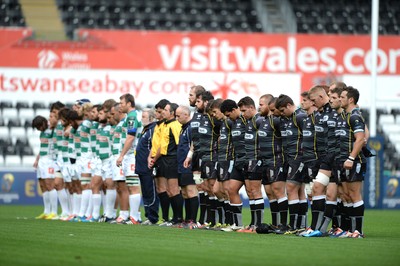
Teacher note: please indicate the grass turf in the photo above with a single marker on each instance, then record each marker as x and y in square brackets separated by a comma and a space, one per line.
[26, 241]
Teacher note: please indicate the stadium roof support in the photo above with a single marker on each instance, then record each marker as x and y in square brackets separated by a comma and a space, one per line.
[374, 59]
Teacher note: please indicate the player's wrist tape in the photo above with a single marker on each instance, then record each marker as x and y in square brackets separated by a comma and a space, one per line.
[351, 158]
[190, 154]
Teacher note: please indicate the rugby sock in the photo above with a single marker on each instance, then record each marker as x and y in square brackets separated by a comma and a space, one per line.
[53, 201]
[252, 212]
[283, 205]
[302, 220]
[294, 207]
[177, 208]
[70, 201]
[336, 219]
[84, 202]
[194, 208]
[46, 202]
[221, 213]
[124, 214]
[203, 206]
[346, 221]
[212, 210]
[318, 208]
[358, 215]
[329, 210]
[237, 214]
[89, 209]
[187, 209]
[228, 213]
[274, 207]
[111, 195]
[164, 203]
[103, 200]
[134, 205]
[259, 211]
[96, 199]
[77, 203]
[63, 198]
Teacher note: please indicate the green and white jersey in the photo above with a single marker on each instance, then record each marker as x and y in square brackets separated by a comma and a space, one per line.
[59, 133]
[71, 144]
[93, 136]
[116, 138]
[104, 142]
[64, 149]
[77, 142]
[130, 127]
[46, 143]
[84, 134]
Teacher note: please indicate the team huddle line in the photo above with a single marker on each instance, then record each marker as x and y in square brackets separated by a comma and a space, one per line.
[93, 155]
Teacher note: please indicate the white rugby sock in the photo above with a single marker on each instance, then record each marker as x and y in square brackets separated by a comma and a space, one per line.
[53, 201]
[84, 202]
[63, 198]
[89, 209]
[103, 200]
[46, 202]
[111, 195]
[134, 204]
[96, 199]
[77, 198]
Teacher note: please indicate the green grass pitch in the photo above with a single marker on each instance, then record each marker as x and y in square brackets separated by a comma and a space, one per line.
[26, 241]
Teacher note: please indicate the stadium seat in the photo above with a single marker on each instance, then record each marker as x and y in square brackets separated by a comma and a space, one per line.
[28, 160]
[386, 119]
[22, 105]
[10, 114]
[155, 15]
[14, 123]
[391, 128]
[26, 115]
[12, 161]
[4, 132]
[38, 105]
[43, 112]
[6, 104]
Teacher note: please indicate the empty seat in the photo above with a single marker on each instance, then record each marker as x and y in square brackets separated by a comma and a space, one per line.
[22, 105]
[28, 160]
[386, 119]
[391, 128]
[6, 104]
[14, 123]
[26, 115]
[43, 112]
[394, 137]
[10, 114]
[17, 133]
[12, 161]
[38, 105]
[4, 132]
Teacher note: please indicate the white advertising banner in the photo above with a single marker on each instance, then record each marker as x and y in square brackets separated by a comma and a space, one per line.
[148, 87]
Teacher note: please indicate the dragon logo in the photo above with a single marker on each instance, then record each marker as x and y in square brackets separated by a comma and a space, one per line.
[47, 59]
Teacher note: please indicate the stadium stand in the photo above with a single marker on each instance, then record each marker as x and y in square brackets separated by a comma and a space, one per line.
[179, 15]
[345, 17]
[11, 14]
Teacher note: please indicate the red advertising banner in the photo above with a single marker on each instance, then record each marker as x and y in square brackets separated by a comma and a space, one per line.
[243, 52]
[234, 56]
